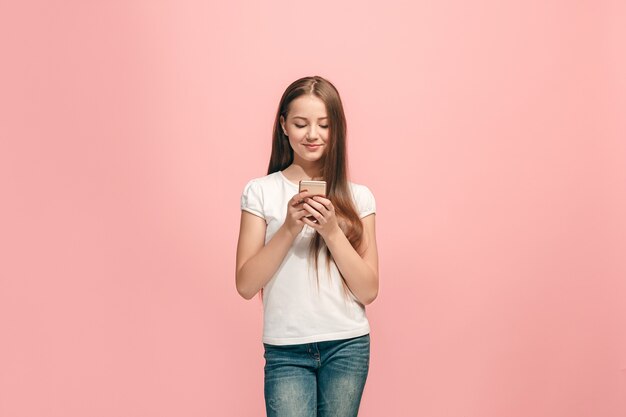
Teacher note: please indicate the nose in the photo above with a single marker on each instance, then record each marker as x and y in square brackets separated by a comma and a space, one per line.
[312, 134]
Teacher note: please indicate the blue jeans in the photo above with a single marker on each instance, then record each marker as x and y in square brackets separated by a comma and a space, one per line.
[319, 379]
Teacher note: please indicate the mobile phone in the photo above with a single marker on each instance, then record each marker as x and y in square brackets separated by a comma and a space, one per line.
[314, 186]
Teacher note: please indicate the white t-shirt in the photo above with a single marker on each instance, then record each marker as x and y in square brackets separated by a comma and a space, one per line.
[294, 311]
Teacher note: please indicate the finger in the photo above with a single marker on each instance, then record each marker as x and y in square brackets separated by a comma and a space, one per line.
[316, 205]
[311, 210]
[313, 223]
[299, 198]
[328, 205]
[322, 200]
[296, 199]
[301, 214]
[304, 194]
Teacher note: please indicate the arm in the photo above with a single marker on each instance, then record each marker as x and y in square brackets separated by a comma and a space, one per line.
[257, 262]
[360, 271]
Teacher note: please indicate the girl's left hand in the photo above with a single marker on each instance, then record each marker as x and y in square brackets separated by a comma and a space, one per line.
[324, 212]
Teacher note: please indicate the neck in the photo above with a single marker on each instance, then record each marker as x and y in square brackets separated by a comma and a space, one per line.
[304, 171]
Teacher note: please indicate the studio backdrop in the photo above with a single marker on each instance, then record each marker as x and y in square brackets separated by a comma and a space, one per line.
[491, 133]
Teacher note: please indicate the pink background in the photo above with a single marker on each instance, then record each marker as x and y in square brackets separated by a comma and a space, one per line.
[492, 134]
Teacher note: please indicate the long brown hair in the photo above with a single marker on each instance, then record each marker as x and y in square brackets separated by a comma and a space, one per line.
[334, 163]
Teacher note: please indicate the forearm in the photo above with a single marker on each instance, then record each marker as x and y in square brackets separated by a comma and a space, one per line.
[360, 277]
[259, 269]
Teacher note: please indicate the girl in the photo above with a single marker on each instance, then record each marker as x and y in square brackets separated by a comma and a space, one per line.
[315, 331]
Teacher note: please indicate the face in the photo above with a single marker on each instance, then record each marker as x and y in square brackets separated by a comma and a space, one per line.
[307, 128]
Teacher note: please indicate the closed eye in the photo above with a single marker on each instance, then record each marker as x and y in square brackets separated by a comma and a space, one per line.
[324, 127]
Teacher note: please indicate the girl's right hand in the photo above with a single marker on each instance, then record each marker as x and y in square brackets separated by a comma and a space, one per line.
[295, 213]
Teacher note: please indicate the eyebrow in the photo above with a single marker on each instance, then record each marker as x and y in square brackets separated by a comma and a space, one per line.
[300, 117]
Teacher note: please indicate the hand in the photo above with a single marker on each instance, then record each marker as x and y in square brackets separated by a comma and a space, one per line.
[295, 213]
[323, 211]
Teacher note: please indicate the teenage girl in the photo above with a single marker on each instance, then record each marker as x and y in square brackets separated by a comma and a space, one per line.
[312, 259]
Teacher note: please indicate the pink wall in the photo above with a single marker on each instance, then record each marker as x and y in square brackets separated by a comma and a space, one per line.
[492, 134]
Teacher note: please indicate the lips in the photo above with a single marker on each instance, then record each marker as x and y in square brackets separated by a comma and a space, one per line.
[312, 147]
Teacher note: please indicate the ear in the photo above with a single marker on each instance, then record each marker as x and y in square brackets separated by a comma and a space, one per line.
[282, 122]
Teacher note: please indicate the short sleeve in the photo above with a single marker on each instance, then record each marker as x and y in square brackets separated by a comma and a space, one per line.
[252, 199]
[365, 201]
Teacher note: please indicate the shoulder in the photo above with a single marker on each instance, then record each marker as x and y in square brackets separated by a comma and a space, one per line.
[363, 198]
[262, 184]
[258, 192]
[360, 190]
[265, 179]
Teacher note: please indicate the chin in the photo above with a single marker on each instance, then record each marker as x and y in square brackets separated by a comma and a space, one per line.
[312, 159]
